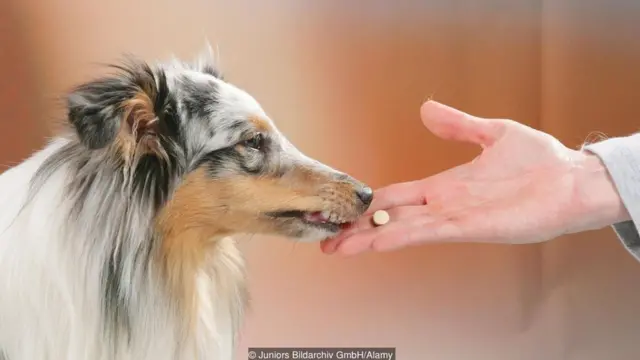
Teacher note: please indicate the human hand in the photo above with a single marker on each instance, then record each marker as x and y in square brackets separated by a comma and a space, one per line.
[524, 187]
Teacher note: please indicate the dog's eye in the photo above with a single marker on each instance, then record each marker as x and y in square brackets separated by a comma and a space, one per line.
[256, 142]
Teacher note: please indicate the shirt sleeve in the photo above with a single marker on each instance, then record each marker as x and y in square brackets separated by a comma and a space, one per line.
[621, 157]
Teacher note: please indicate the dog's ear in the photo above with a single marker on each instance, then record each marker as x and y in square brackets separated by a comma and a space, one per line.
[207, 62]
[126, 109]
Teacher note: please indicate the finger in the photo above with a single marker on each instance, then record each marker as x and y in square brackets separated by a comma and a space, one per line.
[329, 246]
[414, 193]
[401, 194]
[365, 223]
[440, 231]
[399, 231]
[452, 124]
[397, 214]
[426, 229]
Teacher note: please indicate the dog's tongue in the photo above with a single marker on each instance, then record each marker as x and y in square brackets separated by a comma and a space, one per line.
[316, 217]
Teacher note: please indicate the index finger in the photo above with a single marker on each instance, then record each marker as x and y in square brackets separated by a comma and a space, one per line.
[413, 193]
[400, 194]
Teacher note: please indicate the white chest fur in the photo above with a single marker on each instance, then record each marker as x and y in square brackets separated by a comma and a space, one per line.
[222, 298]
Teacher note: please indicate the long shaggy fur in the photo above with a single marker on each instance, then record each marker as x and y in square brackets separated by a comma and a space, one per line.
[114, 238]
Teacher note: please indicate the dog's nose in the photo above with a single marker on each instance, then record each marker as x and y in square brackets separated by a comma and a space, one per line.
[365, 194]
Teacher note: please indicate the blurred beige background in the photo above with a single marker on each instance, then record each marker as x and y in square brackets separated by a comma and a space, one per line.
[344, 80]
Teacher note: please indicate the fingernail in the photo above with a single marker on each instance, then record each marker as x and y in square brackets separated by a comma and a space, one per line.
[329, 246]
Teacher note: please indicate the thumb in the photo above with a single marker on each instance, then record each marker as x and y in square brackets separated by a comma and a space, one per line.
[452, 124]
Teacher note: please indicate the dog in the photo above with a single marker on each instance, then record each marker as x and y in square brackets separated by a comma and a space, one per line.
[116, 238]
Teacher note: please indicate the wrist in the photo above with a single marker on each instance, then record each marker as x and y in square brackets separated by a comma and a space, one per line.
[597, 202]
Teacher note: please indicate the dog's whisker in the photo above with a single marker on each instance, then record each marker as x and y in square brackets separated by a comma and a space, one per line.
[293, 246]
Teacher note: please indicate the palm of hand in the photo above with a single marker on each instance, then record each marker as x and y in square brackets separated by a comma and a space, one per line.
[520, 181]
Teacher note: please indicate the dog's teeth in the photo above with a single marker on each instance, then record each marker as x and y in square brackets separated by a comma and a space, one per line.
[326, 215]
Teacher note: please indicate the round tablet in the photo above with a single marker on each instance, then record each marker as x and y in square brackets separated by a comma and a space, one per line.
[380, 217]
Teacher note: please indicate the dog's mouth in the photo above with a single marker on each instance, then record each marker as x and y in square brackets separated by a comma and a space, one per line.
[326, 220]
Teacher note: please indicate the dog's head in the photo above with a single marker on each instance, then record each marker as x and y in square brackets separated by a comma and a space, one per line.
[208, 156]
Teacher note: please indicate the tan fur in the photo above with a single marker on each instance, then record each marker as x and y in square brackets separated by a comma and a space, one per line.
[261, 124]
[192, 237]
[138, 131]
[208, 208]
[204, 210]
[184, 241]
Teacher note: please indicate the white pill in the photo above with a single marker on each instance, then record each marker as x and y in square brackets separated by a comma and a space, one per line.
[380, 217]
